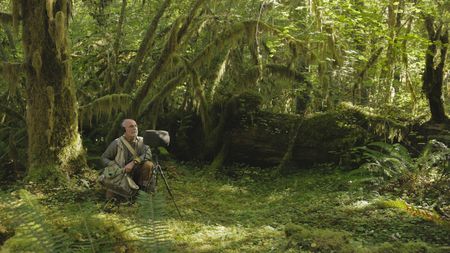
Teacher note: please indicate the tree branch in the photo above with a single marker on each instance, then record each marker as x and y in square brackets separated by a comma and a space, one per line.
[143, 48]
[169, 50]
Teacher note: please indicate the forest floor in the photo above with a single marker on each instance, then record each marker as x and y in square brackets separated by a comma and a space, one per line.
[320, 210]
[255, 210]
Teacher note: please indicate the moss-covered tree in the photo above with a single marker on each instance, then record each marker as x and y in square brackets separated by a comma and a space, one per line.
[54, 143]
[433, 76]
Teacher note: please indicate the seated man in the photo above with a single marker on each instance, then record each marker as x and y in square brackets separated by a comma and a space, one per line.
[131, 154]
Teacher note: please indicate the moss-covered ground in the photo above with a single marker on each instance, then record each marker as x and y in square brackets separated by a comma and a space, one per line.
[258, 211]
[242, 209]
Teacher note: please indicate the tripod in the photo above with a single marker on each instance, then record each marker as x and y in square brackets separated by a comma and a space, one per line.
[157, 170]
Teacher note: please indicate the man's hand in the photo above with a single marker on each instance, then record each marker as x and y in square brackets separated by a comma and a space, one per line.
[129, 167]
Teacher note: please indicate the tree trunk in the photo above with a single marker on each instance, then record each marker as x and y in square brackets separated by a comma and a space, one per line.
[54, 144]
[434, 71]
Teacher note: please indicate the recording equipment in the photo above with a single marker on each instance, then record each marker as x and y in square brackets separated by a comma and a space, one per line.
[156, 138]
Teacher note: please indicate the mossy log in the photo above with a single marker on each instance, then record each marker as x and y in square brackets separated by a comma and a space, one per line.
[263, 139]
[254, 137]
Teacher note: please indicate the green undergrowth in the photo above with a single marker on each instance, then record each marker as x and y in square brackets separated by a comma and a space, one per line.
[238, 209]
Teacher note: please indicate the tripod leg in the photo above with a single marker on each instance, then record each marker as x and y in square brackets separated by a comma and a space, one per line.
[168, 188]
[152, 182]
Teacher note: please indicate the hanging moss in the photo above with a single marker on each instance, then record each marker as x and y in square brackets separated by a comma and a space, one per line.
[172, 42]
[60, 33]
[167, 54]
[51, 113]
[220, 73]
[184, 30]
[227, 39]
[49, 7]
[36, 62]
[203, 104]
[143, 47]
[11, 72]
[104, 106]
[287, 73]
[387, 128]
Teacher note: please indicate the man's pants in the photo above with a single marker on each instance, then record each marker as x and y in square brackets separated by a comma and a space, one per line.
[142, 173]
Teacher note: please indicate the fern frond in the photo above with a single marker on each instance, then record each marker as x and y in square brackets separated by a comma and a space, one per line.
[435, 155]
[35, 229]
[151, 214]
[394, 150]
[387, 160]
[31, 223]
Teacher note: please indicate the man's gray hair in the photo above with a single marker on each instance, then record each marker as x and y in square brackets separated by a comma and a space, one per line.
[123, 122]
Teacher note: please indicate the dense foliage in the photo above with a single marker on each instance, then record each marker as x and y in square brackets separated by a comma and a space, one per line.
[145, 58]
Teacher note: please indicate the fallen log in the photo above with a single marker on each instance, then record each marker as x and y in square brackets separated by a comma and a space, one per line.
[245, 134]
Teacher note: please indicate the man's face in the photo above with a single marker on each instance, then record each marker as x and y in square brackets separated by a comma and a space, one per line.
[131, 129]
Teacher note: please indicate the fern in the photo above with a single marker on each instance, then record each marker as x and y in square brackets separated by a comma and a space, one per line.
[31, 223]
[435, 155]
[386, 160]
[151, 215]
[145, 231]
[426, 176]
[37, 230]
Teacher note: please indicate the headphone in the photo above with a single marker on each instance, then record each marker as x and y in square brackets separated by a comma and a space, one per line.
[122, 126]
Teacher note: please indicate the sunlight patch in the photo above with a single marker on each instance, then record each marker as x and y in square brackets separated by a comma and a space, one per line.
[277, 196]
[360, 204]
[211, 238]
[231, 189]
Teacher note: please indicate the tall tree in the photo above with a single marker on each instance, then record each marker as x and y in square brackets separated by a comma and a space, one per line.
[54, 143]
[433, 74]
